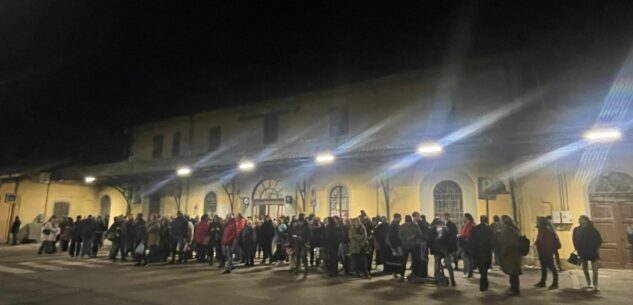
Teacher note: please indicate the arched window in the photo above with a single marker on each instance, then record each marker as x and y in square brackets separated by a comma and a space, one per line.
[105, 206]
[210, 204]
[447, 198]
[339, 202]
[60, 209]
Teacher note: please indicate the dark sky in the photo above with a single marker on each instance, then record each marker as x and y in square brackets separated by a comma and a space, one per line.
[75, 74]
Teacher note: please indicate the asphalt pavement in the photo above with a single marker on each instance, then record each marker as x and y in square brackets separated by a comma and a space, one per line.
[28, 278]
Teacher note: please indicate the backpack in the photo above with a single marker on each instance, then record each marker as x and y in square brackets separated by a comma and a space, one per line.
[524, 245]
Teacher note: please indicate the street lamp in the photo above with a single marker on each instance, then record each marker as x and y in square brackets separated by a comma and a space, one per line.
[246, 166]
[90, 179]
[183, 171]
[430, 149]
[603, 135]
[324, 158]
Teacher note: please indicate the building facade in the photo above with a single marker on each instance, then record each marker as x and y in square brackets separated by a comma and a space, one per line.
[494, 125]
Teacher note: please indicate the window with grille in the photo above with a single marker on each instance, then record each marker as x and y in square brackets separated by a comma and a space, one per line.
[447, 198]
[157, 146]
[339, 202]
[175, 144]
[215, 134]
[210, 204]
[338, 121]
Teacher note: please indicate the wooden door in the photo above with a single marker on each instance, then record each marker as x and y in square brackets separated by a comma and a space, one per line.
[604, 219]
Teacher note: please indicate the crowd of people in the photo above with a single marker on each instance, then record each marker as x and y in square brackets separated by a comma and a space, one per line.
[357, 245]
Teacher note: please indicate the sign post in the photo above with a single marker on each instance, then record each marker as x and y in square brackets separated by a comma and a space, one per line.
[488, 189]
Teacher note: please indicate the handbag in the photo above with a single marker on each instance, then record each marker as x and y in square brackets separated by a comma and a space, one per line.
[140, 249]
[574, 259]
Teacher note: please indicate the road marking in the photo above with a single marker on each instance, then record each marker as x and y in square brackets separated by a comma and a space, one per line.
[74, 263]
[39, 266]
[14, 270]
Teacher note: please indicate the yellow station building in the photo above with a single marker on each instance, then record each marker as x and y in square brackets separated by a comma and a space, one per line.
[410, 142]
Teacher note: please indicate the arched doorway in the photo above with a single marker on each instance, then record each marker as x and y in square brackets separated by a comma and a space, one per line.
[61, 209]
[210, 204]
[105, 206]
[447, 198]
[268, 198]
[611, 203]
[339, 201]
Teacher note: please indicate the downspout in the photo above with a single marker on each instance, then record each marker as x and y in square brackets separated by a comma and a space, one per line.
[48, 188]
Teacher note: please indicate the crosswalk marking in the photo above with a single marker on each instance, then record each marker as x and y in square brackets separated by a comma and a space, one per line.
[75, 263]
[14, 270]
[41, 266]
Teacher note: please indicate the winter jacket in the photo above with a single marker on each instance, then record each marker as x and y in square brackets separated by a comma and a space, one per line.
[410, 235]
[248, 238]
[546, 242]
[140, 231]
[451, 236]
[358, 240]
[179, 227]
[425, 229]
[333, 235]
[230, 232]
[482, 243]
[201, 233]
[268, 231]
[281, 234]
[300, 233]
[510, 257]
[52, 236]
[393, 235]
[153, 233]
[317, 235]
[215, 229]
[587, 242]
[380, 236]
[15, 227]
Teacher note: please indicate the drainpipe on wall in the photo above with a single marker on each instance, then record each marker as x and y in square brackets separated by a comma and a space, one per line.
[48, 188]
[515, 209]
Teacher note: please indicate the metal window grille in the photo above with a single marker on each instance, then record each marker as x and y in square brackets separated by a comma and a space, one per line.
[339, 202]
[447, 198]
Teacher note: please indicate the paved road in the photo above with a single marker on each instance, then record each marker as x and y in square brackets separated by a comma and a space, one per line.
[26, 278]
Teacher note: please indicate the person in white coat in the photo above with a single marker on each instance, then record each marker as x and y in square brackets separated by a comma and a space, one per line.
[48, 236]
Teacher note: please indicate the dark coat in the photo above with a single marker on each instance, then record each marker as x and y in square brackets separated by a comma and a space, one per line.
[179, 227]
[300, 233]
[451, 236]
[248, 239]
[425, 229]
[380, 235]
[317, 236]
[15, 227]
[393, 235]
[482, 242]
[268, 231]
[333, 235]
[546, 242]
[587, 241]
[510, 257]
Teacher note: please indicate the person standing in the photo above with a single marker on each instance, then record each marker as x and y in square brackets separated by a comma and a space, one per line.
[140, 239]
[424, 250]
[481, 246]
[248, 240]
[215, 245]
[358, 248]
[229, 239]
[268, 233]
[546, 246]
[117, 236]
[332, 241]
[179, 231]
[153, 239]
[75, 238]
[300, 239]
[451, 228]
[316, 240]
[510, 254]
[497, 229]
[410, 236]
[463, 238]
[15, 229]
[629, 235]
[281, 241]
[587, 241]
[97, 240]
[202, 238]
[442, 247]
[380, 240]
[48, 236]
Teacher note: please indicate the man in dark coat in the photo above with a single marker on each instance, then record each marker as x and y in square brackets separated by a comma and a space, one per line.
[482, 245]
[75, 238]
[587, 241]
[451, 240]
[300, 234]
[333, 236]
[380, 240]
[268, 233]
[179, 230]
[15, 228]
[426, 231]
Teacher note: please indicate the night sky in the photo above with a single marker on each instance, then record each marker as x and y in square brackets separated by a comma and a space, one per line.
[75, 74]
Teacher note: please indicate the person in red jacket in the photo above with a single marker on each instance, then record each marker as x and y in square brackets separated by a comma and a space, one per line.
[463, 238]
[229, 237]
[201, 237]
[546, 243]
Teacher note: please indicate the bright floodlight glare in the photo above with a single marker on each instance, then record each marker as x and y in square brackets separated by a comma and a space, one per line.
[324, 158]
[90, 179]
[183, 171]
[246, 165]
[430, 149]
[602, 135]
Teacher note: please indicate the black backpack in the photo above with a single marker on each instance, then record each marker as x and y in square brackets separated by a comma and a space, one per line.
[524, 245]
